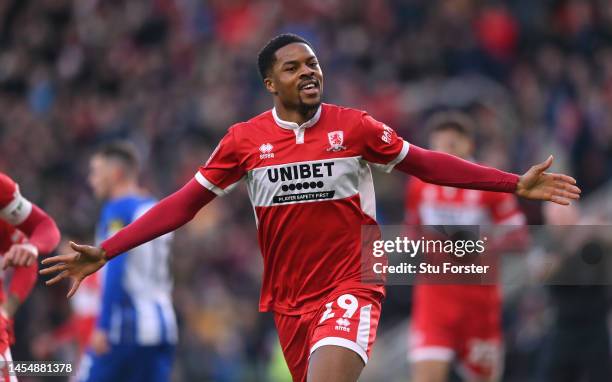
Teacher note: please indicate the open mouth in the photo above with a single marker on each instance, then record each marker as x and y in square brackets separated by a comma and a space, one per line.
[310, 87]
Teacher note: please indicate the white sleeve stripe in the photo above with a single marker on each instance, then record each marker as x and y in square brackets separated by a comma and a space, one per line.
[208, 185]
[400, 157]
[17, 211]
[389, 166]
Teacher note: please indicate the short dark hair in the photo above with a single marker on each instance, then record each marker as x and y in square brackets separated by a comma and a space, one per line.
[451, 120]
[267, 55]
[124, 152]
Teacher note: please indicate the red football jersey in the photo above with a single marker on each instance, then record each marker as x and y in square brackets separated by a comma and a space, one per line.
[85, 309]
[311, 188]
[458, 321]
[430, 204]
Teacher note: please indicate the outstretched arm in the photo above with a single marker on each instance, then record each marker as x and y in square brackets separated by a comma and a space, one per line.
[167, 215]
[447, 170]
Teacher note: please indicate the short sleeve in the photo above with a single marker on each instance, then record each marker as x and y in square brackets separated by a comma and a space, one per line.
[222, 171]
[14, 208]
[382, 147]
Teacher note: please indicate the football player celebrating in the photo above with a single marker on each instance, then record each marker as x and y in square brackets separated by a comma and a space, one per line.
[308, 171]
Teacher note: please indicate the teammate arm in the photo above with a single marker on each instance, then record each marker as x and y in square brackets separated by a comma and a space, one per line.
[41, 230]
[43, 236]
[20, 286]
[169, 214]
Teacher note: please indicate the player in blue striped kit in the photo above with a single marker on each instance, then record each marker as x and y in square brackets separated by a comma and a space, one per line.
[136, 331]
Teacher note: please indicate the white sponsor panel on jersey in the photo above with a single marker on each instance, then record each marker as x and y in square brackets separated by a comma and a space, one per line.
[302, 182]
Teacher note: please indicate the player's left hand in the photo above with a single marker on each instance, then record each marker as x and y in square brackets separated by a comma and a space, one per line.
[20, 255]
[76, 266]
[540, 185]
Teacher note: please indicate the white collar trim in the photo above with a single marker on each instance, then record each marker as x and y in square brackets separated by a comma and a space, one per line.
[293, 125]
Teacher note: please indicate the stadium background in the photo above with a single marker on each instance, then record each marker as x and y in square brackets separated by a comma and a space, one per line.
[172, 76]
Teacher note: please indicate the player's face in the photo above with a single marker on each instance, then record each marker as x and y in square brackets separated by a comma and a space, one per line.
[451, 142]
[101, 176]
[296, 78]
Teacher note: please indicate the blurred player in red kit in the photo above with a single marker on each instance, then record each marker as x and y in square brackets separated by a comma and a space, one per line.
[456, 323]
[26, 232]
[307, 166]
[85, 308]
[78, 329]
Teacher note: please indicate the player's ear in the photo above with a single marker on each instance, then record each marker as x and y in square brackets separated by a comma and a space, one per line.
[269, 84]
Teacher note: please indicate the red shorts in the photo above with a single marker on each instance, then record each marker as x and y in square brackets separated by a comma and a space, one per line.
[457, 325]
[348, 319]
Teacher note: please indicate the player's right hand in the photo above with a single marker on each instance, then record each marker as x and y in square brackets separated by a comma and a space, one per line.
[76, 266]
[20, 255]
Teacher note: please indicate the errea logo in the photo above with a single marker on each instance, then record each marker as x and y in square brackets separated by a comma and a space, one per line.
[343, 322]
[266, 151]
[342, 325]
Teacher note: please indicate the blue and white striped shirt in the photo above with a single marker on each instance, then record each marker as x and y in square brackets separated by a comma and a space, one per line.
[136, 286]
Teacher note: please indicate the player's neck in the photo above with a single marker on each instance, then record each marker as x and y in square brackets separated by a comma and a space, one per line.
[125, 188]
[294, 115]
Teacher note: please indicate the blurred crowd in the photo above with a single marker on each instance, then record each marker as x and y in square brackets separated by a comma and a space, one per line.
[173, 75]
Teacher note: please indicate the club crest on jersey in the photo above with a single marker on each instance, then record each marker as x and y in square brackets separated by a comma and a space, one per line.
[336, 138]
[266, 151]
